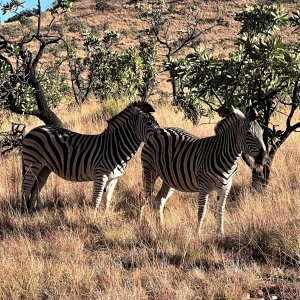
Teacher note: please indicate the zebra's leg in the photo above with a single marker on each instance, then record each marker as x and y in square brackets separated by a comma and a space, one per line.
[38, 185]
[223, 194]
[108, 191]
[161, 199]
[149, 178]
[202, 207]
[99, 184]
[31, 172]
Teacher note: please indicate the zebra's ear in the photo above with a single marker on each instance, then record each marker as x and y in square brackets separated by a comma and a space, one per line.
[146, 107]
[143, 106]
[250, 113]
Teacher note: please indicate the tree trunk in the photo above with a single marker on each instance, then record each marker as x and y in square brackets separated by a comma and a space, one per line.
[44, 112]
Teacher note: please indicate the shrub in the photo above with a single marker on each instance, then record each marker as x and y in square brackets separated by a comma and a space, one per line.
[104, 5]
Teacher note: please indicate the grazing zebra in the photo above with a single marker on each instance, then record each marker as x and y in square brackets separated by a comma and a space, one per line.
[73, 156]
[190, 164]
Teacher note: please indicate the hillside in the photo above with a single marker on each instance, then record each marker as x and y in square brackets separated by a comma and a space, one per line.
[122, 17]
[63, 251]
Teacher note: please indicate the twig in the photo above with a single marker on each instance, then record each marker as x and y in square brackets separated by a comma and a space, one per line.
[11, 140]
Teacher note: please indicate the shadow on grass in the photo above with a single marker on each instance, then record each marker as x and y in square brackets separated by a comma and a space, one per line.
[179, 260]
[129, 203]
[275, 246]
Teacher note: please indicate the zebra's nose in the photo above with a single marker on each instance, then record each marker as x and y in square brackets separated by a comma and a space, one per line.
[262, 157]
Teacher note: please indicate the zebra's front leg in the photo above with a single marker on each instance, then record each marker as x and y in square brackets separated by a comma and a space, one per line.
[99, 184]
[161, 199]
[202, 207]
[108, 191]
[223, 194]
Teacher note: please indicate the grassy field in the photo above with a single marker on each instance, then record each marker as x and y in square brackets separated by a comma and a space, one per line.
[63, 252]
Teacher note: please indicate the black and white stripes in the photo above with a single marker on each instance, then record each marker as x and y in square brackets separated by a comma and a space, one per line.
[73, 156]
[189, 164]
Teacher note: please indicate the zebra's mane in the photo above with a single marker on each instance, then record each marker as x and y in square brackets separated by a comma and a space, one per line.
[225, 123]
[144, 107]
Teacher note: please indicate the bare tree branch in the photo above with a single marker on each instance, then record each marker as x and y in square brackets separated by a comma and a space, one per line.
[12, 139]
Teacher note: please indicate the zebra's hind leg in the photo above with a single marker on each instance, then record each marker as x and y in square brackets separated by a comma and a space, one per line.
[38, 185]
[149, 178]
[161, 199]
[108, 191]
[223, 193]
[99, 184]
[31, 171]
[202, 207]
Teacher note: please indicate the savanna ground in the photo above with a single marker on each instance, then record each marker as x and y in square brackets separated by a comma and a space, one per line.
[63, 252]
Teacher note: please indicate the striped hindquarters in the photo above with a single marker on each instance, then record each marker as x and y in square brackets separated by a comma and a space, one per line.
[68, 154]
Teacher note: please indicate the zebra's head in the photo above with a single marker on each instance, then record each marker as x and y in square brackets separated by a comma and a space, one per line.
[146, 124]
[251, 134]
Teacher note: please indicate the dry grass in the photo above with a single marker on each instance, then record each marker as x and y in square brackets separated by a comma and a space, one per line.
[63, 252]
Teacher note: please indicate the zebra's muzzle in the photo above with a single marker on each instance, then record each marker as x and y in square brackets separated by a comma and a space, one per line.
[262, 157]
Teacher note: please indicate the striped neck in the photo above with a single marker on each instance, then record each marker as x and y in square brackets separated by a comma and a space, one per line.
[124, 142]
[122, 119]
[230, 144]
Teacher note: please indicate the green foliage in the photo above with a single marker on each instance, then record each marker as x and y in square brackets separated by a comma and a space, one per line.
[113, 73]
[19, 93]
[12, 6]
[65, 4]
[262, 18]
[263, 73]
[295, 19]
[193, 75]
[55, 84]
[148, 54]
[118, 74]
[22, 15]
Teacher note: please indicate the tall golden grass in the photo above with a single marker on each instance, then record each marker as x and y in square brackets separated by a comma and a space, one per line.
[63, 252]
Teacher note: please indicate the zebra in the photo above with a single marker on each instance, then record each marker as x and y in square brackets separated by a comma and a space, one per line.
[187, 163]
[101, 158]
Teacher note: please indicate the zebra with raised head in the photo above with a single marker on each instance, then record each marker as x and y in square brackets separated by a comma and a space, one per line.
[190, 164]
[101, 158]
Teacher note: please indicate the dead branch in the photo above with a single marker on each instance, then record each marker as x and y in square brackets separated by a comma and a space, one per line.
[11, 140]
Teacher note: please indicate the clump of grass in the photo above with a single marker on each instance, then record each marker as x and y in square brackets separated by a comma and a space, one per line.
[279, 243]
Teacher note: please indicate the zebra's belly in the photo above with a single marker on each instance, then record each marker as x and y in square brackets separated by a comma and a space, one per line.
[90, 175]
[76, 177]
[181, 183]
[190, 182]
[214, 182]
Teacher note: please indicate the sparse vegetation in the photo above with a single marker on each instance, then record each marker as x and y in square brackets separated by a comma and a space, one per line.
[63, 250]
[74, 24]
[104, 5]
